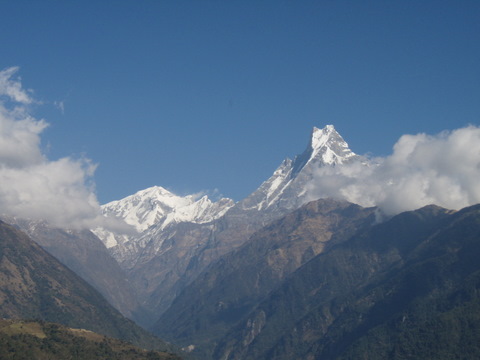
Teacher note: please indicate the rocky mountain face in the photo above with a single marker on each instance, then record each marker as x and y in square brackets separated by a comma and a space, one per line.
[406, 288]
[178, 237]
[168, 231]
[35, 285]
[232, 287]
[86, 255]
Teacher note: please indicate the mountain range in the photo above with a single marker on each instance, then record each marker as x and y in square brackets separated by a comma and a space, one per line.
[329, 282]
[233, 286]
[176, 238]
[404, 289]
[279, 274]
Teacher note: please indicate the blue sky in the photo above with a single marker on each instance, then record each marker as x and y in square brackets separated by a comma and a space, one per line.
[203, 95]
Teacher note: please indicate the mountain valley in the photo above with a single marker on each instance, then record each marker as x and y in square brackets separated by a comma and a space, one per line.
[180, 237]
[35, 285]
[277, 275]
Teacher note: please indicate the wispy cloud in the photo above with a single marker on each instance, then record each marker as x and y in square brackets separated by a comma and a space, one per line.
[60, 105]
[443, 169]
[11, 87]
[32, 186]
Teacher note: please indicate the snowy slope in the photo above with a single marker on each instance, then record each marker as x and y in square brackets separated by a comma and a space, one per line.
[153, 210]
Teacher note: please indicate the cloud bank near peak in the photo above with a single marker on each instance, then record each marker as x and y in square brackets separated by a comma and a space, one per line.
[442, 169]
[32, 186]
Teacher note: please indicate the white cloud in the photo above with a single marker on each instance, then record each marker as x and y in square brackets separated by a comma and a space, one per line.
[12, 88]
[443, 169]
[32, 186]
[19, 139]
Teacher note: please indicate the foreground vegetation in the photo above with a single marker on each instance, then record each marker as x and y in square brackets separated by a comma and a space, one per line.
[26, 340]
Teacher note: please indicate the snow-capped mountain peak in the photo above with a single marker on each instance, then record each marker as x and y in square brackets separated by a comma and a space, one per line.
[156, 206]
[331, 146]
[286, 185]
[155, 211]
[326, 147]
